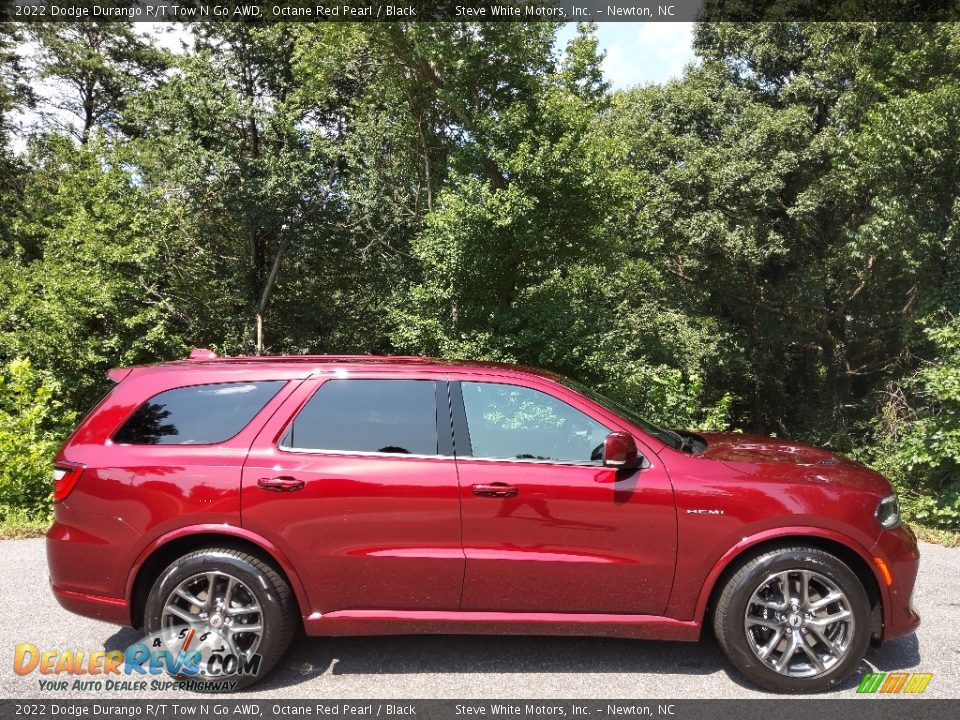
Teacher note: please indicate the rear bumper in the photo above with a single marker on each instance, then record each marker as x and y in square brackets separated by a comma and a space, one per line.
[82, 577]
[109, 609]
[898, 549]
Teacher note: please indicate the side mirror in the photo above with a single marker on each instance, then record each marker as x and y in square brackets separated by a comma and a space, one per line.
[620, 451]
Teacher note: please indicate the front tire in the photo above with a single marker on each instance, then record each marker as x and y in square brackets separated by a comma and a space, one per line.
[794, 619]
[223, 602]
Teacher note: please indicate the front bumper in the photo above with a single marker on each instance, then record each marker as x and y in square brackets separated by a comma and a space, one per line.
[898, 549]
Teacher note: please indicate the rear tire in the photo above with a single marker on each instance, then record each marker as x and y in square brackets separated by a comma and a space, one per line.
[236, 600]
[794, 620]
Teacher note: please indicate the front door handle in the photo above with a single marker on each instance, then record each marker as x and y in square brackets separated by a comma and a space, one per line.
[284, 483]
[497, 489]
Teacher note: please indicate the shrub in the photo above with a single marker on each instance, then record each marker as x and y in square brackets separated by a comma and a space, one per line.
[918, 434]
[33, 422]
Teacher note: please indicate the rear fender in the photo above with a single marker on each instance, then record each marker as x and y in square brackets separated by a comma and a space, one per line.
[227, 532]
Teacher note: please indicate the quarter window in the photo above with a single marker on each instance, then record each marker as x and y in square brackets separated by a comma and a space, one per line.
[518, 423]
[382, 416]
[197, 415]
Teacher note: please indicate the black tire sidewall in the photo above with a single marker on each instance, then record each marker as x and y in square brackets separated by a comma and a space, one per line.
[276, 632]
[736, 644]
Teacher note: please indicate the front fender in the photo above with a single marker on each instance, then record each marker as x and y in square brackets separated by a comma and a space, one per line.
[791, 533]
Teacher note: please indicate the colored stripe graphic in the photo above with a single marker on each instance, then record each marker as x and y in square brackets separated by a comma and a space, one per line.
[871, 682]
[894, 683]
[918, 683]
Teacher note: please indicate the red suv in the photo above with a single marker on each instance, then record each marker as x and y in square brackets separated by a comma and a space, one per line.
[353, 495]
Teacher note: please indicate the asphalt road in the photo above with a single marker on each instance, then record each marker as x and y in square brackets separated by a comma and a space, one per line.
[478, 667]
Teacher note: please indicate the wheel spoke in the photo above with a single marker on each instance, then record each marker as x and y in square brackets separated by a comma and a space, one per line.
[784, 662]
[228, 593]
[770, 605]
[811, 653]
[211, 586]
[189, 597]
[769, 647]
[804, 588]
[763, 622]
[785, 589]
[242, 610]
[823, 602]
[182, 614]
[828, 620]
[237, 629]
[821, 636]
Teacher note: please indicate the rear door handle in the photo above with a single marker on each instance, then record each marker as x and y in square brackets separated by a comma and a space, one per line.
[284, 483]
[496, 489]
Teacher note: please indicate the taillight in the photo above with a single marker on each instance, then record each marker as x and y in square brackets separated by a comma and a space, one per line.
[65, 476]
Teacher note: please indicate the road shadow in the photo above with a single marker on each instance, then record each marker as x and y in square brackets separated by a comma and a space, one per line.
[893, 656]
[311, 657]
[122, 639]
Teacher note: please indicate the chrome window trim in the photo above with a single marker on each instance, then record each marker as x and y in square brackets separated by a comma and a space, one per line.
[533, 461]
[369, 453]
[361, 453]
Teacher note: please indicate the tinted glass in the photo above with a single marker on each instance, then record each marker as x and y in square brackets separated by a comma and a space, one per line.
[669, 437]
[508, 421]
[197, 415]
[387, 416]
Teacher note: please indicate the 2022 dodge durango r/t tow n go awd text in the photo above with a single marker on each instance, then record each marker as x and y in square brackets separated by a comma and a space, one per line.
[220, 502]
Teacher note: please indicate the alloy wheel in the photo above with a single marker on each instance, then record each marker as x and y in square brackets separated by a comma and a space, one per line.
[220, 602]
[799, 623]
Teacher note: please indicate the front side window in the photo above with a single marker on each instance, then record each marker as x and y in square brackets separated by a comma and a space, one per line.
[518, 423]
[668, 437]
[197, 415]
[381, 416]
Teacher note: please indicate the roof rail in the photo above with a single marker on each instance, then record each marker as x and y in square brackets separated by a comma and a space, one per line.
[202, 354]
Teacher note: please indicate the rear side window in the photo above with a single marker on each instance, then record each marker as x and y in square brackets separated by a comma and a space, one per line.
[382, 416]
[197, 415]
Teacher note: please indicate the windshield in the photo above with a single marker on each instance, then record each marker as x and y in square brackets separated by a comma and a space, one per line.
[668, 437]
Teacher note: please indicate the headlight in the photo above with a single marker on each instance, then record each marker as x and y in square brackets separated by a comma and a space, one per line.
[888, 511]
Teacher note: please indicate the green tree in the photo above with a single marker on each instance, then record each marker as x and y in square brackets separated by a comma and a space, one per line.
[529, 263]
[15, 94]
[15, 91]
[253, 182]
[81, 290]
[99, 67]
[771, 242]
[801, 187]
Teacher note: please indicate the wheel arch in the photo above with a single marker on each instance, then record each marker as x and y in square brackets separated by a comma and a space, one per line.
[164, 550]
[846, 549]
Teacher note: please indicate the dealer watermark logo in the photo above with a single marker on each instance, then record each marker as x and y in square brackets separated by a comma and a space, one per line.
[894, 683]
[199, 657]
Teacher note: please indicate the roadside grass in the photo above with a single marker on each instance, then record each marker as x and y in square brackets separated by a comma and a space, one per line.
[947, 538]
[16, 524]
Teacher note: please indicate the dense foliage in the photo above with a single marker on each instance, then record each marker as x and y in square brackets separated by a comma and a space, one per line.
[32, 424]
[769, 243]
